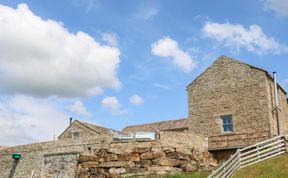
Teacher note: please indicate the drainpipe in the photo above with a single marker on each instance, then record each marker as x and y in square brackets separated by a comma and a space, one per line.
[276, 102]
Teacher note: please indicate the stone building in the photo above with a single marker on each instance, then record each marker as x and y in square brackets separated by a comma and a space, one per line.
[79, 129]
[233, 105]
[179, 125]
[2, 147]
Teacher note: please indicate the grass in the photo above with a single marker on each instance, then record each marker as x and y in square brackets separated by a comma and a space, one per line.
[276, 167]
[200, 174]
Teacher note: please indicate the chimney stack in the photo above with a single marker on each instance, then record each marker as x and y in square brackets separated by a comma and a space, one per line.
[70, 120]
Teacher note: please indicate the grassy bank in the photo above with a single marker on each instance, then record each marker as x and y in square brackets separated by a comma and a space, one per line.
[201, 174]
[272, 168]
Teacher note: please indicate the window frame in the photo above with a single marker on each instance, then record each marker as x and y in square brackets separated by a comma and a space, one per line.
[228, 125]
[76, 134]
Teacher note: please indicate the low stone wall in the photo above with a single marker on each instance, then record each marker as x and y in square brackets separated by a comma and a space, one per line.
[128, 160]
[59, 164]
[54, 158]
[33, 155]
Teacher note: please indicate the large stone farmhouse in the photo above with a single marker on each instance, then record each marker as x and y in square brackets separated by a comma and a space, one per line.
[233, 105]
[230, 105]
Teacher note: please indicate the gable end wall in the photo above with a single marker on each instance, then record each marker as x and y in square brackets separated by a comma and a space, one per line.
[84, 132]
[229, 87]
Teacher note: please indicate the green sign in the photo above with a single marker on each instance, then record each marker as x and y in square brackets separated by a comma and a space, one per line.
[16, 155]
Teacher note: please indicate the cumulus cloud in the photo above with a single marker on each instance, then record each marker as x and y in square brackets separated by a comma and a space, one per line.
[235, 36]
[280, 7]
[167, 47]
[26, 119]
[111, 103]
[110, 38]
[79, 108]
[41, 57]
[136, 100]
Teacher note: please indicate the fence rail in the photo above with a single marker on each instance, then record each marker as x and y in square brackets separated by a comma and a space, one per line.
[250, 155]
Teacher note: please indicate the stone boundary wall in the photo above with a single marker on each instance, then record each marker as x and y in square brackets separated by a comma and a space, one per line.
[59, 164]
[33, 155]
[142, 158]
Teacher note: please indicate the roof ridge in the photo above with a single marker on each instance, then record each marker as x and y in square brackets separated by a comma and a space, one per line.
[90, 126]
[93, 125]
[160, 125]
[155, 122]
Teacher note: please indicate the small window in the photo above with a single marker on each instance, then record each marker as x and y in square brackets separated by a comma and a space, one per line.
[76, 134]
[227, 123]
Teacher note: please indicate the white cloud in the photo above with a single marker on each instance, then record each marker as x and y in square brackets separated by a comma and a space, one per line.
[146, 14]
[44, 59]
[163, 86]
[167, 47]
[110, 38]
[79, 108]
[235, 36]
[111, 103]
[136, 100]
[26, 119]
[280, 7]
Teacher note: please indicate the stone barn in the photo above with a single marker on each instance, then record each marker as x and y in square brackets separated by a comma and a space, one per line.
[233, 105]
[79, 129]
[179, 125]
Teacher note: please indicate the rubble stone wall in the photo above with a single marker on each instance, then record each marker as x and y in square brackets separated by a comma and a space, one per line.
[55, 158]
[229, 87]
[142, 158]
[33, 155]
[59, 164]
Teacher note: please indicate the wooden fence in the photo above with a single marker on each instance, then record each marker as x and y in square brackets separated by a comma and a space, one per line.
[250, 155]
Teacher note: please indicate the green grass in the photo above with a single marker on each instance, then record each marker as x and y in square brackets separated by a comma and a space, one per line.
[276, 167]
[202, 174]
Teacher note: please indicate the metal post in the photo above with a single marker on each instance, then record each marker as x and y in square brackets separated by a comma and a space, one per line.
[276, 102]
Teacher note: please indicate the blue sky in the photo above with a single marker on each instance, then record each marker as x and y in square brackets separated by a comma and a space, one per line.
[119, 63]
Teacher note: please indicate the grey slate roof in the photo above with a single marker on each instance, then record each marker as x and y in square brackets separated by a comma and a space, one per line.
[96, 128]
[161, 126]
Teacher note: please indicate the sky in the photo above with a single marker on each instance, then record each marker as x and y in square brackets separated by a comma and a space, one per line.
[120, 63]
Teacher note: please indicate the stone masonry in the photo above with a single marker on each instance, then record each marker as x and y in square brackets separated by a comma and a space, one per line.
[101, 156]
[230, 87]
[79, 129]
[143, 159]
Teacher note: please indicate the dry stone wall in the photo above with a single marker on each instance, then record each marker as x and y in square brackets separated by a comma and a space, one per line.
[142, 158]
[33, 154]
[59, 164]
[100, 156]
